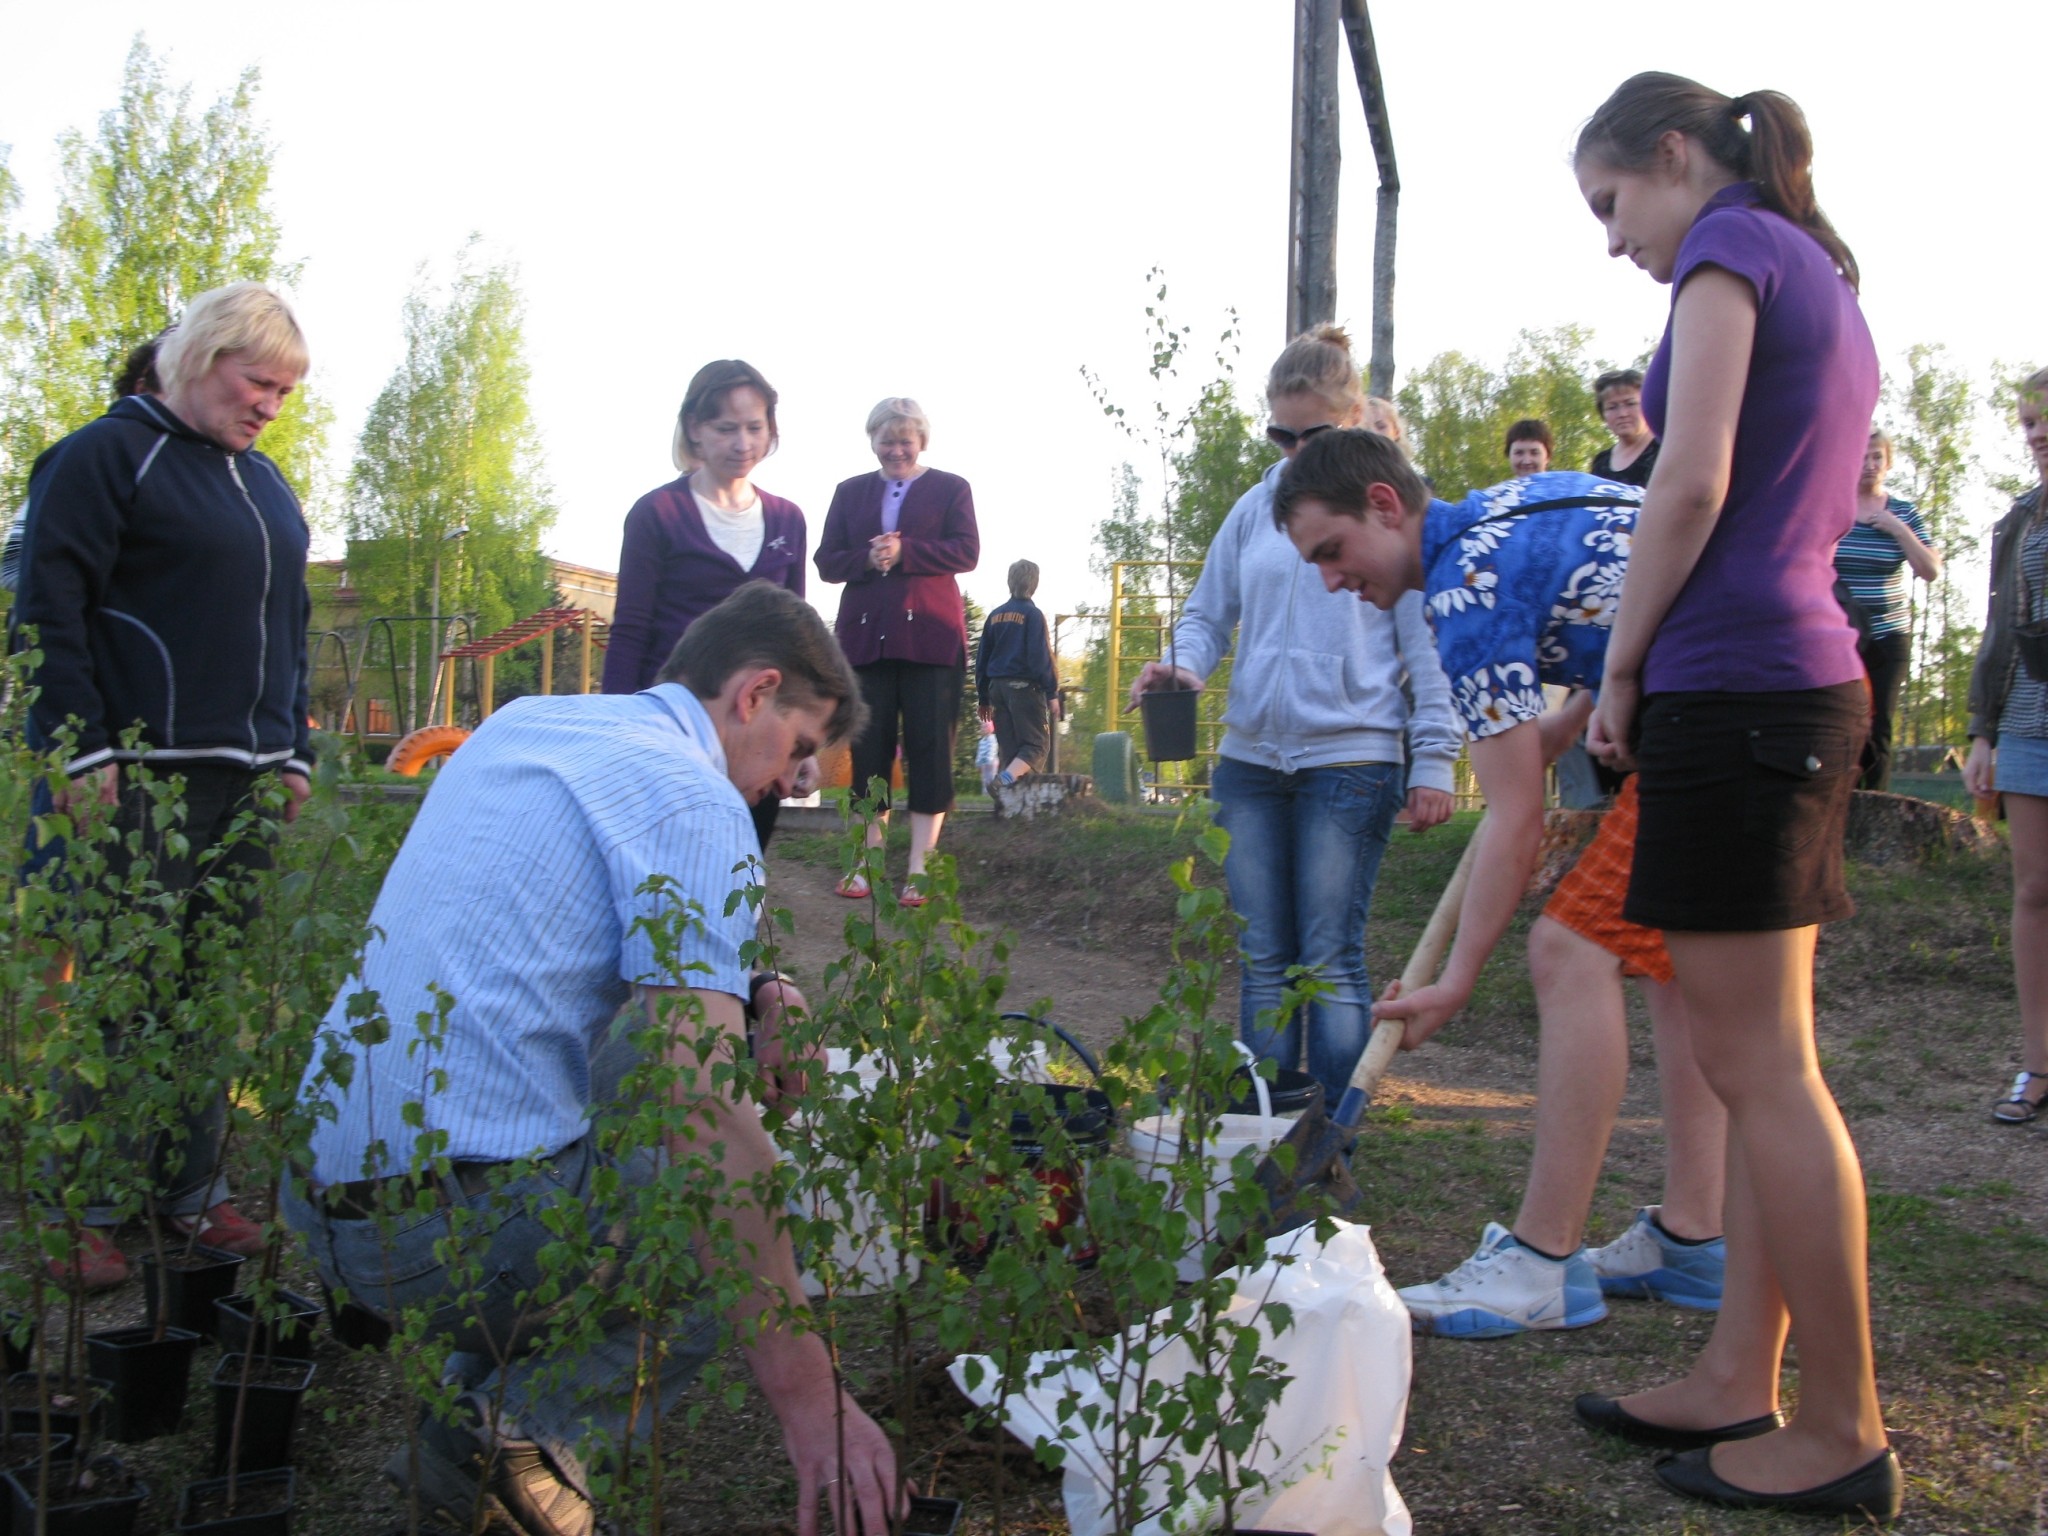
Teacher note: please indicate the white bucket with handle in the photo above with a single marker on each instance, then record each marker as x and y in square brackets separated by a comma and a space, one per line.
[864, 1253]
[1155, 1147]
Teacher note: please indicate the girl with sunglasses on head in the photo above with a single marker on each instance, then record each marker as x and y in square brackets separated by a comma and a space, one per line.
[1321, 747]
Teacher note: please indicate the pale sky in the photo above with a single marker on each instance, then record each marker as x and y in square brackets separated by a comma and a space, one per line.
[959, 202]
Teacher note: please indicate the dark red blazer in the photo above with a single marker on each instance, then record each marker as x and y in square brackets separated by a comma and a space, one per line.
[671, 575]
[913, 613]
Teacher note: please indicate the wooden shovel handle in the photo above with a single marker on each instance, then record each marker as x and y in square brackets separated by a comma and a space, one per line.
[1429, 952]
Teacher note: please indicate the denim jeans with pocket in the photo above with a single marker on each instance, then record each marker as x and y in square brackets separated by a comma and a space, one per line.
[1304, 854]
[571, 1406]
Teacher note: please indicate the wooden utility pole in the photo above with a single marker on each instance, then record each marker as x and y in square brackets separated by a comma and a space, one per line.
[1365, 63]
[1312, 180]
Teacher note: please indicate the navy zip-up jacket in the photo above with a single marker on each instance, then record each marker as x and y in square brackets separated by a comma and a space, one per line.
[166, 580]
[1014, 643]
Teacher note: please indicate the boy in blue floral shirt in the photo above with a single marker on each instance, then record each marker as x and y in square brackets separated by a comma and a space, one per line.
[1521, 582]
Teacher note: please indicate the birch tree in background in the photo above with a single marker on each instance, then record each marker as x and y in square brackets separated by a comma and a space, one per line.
[160, 204]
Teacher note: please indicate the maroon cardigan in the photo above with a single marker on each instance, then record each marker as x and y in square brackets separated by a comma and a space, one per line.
[671, 575]
[912, 613]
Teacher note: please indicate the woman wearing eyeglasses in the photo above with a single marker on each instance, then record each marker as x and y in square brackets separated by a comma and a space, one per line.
[1320, 746]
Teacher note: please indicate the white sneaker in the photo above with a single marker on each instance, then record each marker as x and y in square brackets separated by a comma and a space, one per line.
[1644, 1262]
[1505, 1288]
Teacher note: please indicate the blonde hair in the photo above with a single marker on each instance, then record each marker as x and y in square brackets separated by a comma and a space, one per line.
[1399, 436]
[1879, 438]
[242, 317]
[895, 408]
[1318, 362]
[1023, 578]
[2036, 384]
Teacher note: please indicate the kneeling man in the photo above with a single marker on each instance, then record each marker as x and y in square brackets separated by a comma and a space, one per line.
[520, 912]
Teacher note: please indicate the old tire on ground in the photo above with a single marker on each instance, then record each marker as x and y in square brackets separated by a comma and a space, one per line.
[1115, 768]
[428, 745]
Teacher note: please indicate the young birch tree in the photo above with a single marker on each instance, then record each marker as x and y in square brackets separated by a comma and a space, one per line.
[161, 204]
[448, 469]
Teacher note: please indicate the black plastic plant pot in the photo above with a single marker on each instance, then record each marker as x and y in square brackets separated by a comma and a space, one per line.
[275, 1389]
[1169, 715]
[358, 1327]
[150, 1377]
[931, 1517]
[287, 1333]
[1292, 1092]
[103, 1499]
[19, 1356]
[75, 1407]
[262, 1505]
[190, 1286]
[20, 1453]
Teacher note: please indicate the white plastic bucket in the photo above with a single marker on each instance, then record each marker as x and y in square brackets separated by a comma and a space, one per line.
[864, 1253]
[1155, 1147]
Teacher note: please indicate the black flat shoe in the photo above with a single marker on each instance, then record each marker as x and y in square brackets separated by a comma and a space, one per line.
[1874, 1490]
[1608, 1417]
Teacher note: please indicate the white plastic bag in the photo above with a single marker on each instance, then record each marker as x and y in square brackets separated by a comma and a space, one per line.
[1326, 1444]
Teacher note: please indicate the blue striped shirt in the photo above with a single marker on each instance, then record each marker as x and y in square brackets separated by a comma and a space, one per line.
[516, 895]
[1873, 564]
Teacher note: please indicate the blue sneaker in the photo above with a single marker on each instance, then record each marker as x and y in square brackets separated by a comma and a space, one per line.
[1645, 1262]
[1505, 1288]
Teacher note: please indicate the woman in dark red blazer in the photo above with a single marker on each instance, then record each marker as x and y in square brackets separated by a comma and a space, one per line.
[693, 542]
[897, 539]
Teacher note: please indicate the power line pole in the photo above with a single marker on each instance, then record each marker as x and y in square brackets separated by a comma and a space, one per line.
[1365, 64]
[1313, 166]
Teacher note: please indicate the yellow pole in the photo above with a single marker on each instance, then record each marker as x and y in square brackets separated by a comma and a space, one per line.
[490, 688]
[1116, 623]
[448, 691]
[547, 663]
[589, 618]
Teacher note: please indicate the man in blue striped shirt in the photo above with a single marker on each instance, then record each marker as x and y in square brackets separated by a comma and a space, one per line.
[512, 926]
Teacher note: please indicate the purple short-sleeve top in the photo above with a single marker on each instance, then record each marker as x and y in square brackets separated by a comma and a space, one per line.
[1758, 614]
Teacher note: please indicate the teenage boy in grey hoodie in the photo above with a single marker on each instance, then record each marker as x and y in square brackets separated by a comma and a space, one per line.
[1321, 744]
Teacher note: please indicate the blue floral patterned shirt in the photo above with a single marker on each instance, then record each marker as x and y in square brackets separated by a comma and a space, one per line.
[1518, 601]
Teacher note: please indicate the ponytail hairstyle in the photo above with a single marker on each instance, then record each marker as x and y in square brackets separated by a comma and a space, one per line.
[1318, 362]
[1775, 151]
[705, 398]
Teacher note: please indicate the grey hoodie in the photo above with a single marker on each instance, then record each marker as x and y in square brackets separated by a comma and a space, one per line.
[1319, 674]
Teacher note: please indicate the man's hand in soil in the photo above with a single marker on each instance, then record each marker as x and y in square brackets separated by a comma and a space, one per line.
[851, 1464]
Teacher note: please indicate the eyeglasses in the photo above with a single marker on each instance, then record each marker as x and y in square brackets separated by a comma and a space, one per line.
[1284, 439]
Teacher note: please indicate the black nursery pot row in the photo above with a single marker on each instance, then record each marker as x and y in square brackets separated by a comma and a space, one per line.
[101, 1498]
[139, 1383]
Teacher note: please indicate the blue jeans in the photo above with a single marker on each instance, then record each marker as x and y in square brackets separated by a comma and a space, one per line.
[1304, 853]
[571, 1408]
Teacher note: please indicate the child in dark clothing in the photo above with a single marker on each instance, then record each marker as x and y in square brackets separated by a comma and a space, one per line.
[1014, 678]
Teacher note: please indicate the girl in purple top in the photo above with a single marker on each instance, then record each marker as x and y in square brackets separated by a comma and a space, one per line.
[1733, 681]
[692, 542]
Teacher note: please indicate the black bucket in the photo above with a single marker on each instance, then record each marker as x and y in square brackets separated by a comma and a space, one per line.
[1292, 1093]
[1169, 715]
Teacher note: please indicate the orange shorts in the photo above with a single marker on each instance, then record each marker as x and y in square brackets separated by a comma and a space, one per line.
[1588, 899]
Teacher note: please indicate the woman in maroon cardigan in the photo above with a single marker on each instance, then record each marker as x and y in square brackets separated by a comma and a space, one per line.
[693, 542]
[897, 539]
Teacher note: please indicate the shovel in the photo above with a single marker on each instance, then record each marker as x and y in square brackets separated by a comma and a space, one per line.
[1320, 1142]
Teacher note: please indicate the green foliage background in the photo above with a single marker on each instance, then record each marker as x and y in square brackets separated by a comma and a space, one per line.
[159, 205]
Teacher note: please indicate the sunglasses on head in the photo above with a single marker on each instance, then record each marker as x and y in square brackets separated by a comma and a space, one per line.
[1284, 439]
